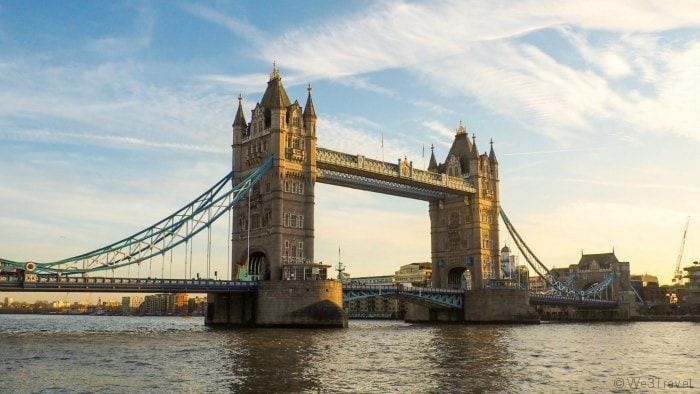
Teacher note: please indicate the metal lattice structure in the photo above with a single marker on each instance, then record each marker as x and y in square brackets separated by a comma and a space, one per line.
[442, 298]
[564, 288]
[377, 185]
[159, 238]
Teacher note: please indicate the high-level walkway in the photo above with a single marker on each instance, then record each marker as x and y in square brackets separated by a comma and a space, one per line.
[359, 172]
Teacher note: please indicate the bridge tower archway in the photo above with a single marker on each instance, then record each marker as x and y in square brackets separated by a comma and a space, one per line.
[464, 229]
[278, 215]
[460, 278]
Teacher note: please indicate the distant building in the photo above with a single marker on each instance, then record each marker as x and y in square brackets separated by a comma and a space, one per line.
[58, 305]
[693, 276]
[154, 304]
[509, 264]
[176, 304]
[197, 306]
[131, 304]
[537, 285]
[417, 274]
[375, 307]
[381, 280]
[692, 299]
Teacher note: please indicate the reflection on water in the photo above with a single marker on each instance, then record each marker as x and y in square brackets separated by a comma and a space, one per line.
[128, 354]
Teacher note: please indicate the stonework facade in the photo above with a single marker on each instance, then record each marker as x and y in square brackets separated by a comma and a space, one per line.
[464, 229]
[275, 226]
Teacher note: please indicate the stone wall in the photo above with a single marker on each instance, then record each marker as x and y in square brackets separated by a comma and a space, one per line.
[232, 309]
[416, 313]
[499, 306]
[311, 303]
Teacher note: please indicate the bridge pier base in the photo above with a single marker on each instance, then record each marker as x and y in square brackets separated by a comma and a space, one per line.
[287, 303]
[499, 306]
[423, 314]
[301, 303]
[231, 309]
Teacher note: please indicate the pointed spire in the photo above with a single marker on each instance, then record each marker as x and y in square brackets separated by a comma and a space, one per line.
[492, 154]
[432, 165]
[275, 74]
[461, 129]
[309, 110]
[275, 96]
[240, 118]
[475, 151]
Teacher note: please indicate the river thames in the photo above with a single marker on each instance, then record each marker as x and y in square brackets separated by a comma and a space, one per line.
[175, 354]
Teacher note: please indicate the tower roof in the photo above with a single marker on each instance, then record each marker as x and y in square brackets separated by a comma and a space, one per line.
[309, 110]
[461, 147]
[275, 96]
[239, 121]
[432, 166]
[603, 260]
[492, 155]
[474, 154]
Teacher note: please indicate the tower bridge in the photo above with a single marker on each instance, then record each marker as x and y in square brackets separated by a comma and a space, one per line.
[270, 205]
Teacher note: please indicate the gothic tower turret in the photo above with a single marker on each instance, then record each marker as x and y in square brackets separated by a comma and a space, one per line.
[276, 226]
[464, 229]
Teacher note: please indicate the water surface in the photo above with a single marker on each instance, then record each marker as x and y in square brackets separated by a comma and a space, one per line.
[175, 354]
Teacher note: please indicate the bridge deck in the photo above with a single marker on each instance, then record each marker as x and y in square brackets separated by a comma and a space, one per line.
[124, 285]
[429, 296]
[445, 298]
[542, 299]
[357, 171]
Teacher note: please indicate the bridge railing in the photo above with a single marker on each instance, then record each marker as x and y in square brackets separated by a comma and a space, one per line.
[399, 288]
[362, 163]
[558, 299]
[107, 281]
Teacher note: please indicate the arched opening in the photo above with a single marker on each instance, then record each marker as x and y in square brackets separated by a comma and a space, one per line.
[459, 278]
[258, 267]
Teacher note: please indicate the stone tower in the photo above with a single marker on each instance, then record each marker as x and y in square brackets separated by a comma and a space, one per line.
[275, 226]
[464, 229]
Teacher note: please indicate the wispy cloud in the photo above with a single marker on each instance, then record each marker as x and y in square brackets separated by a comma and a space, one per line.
[248, 82]
[550, 151]
[475, 49]
[616, 184]
[138, 39]
[353, 138]
[445, 134]
[237, 26]
[108, 140]
[112, 98]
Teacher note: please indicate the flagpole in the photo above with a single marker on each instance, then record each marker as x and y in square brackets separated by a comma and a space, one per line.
[382, 152]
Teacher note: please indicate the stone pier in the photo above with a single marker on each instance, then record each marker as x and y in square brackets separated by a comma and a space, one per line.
[285, 303]
[481, 306]
[499, 306]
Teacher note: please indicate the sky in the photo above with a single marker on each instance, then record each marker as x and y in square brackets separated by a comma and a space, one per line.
[114, 114]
